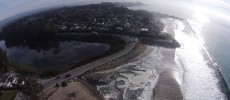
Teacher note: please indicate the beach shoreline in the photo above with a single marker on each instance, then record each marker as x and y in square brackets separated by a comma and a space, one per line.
[201, 78]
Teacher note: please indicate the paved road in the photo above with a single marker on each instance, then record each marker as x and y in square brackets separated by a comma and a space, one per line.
[21, 96]
[131, 42]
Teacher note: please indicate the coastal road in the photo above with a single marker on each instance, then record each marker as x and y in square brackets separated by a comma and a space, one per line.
[48, 83]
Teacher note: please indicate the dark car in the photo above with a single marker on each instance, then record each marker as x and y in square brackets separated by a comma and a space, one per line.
[67, 75]
[57, 77]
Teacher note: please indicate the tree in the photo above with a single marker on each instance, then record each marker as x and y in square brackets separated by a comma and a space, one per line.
[3, 60]
[63, 84]
[57, 85]
[32, 88]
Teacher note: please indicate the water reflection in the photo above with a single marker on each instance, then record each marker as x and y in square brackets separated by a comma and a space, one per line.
[199, 79]
[44, 48]
[58, 55]
[199, 23]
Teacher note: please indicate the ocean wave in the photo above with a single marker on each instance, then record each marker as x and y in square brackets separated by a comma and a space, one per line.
[200, 80]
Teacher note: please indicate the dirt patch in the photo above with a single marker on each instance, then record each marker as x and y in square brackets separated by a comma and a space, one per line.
[75, 90]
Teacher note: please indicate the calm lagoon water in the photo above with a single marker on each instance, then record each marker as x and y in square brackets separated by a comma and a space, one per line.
[58, 57]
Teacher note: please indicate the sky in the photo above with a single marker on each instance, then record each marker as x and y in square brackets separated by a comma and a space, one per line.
[215, 7]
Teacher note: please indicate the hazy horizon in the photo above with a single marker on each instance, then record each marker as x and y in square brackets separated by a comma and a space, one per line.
[218, 8]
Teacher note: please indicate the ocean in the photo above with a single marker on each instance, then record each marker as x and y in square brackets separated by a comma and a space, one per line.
[210, 30]
[217, 40]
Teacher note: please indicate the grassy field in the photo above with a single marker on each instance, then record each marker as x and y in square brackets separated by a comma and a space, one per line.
[8, 95]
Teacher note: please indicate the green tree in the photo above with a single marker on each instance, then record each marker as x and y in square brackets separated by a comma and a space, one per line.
[3, 60]
[32, 88]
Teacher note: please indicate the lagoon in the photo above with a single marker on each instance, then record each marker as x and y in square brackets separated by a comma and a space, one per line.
[59, 55]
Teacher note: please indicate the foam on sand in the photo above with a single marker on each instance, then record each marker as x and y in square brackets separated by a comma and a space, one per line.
[136, 80]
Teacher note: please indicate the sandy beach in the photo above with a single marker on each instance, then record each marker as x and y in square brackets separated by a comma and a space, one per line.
[75, 90]
[167, 87]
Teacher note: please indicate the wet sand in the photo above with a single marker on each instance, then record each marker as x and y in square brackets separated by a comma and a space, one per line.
[167, 87]
[169, 82]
